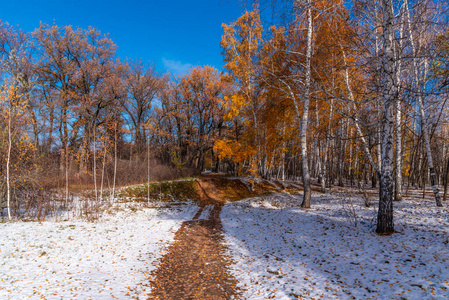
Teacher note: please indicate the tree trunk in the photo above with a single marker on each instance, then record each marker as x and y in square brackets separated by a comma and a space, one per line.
[148, 166]
[8, 162]
[317, 147]
[398, 128]
[306, 203]
[115, 163]
[379, 130]
[102, 171]
[95, 167]
[50, 132]
[325, 176]
[385, 223]
[446, 179]
[65, 149]
[398, 174]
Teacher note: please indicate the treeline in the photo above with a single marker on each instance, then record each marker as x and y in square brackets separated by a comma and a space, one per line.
[345, 94]
[75, 116]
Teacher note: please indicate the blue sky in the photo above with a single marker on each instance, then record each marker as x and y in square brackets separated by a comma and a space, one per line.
[173, 34]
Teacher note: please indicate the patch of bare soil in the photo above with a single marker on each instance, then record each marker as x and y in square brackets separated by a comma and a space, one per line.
[195, 266]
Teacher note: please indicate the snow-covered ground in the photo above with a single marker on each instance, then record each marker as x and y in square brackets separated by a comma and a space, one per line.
[280, 251]
[108, 259]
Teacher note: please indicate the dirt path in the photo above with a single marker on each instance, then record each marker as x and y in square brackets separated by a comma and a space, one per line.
[195, 266]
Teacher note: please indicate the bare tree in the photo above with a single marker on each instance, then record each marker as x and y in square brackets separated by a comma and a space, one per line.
[143, 84]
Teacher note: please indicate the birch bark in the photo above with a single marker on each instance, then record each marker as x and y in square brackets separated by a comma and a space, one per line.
[385, 223]
[398, 128]
[305, 115]
[115, 163]
[8, 161]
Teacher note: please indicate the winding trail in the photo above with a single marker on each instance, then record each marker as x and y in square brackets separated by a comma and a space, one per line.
[195, 266]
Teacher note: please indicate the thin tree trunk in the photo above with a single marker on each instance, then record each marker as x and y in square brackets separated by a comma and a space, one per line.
[324, 176]
[419, 173]
[115, 163]
[398, 174]
[102, 172]
[326, 169]
[283, 154]
[66, 157]
[95, 166]
[446, 179]
[82, 167]
[50, 133]
[398, 129]
[379, 130]
[148, 162]
[8, 161]
[306, 203]
[317, 147]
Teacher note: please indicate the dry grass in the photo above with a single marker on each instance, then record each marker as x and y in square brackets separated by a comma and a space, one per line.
[213, 186]
[164, 191]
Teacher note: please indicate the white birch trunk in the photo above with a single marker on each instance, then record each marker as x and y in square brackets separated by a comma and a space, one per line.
[115, 163]
[446, 179]
[8, 161]
[398, 129]
[305, 114]
[379, 131]
[398, 174]
[66, 156]
[350, 157]
[319, 171]
[385, 223]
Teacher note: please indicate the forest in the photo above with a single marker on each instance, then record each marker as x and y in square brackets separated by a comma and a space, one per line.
[321, 92]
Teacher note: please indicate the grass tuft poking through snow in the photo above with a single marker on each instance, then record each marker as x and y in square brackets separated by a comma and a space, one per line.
[111, 258]
[283, 252]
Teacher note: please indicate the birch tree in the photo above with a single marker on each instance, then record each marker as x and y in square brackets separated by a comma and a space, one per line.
[12, 109]
[305, 110]
[385, 224]
[398, 125]
[241, 43]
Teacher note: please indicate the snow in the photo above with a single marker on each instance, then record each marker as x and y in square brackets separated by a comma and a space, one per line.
[110, 258]
[206, 212]
[277, 250]
[281, 251]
